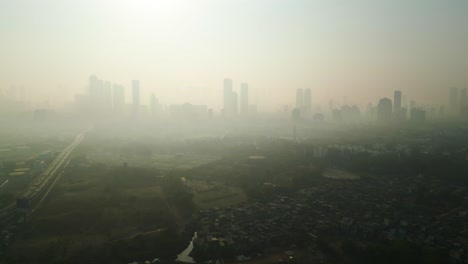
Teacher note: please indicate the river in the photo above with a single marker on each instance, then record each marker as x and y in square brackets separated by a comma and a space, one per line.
[184, 255]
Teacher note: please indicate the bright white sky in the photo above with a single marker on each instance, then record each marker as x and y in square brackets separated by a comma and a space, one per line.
[181, 50]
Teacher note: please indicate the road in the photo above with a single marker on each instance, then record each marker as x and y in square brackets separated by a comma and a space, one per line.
[41, 187]
[53, 173]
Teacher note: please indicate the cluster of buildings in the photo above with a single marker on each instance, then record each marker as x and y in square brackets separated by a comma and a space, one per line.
[387, 110]
[232, 106]
[360, 210]
[105, 99]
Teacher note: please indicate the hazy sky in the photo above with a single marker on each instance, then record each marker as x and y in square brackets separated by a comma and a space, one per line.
[182, 50]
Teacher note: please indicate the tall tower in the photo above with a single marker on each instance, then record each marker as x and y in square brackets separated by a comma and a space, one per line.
[96, 94]
[307, 99]
[396, 101]
[108, 95]
[244, 98]
[299, 98]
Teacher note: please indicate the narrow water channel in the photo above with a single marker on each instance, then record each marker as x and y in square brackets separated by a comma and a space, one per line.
[184, 255]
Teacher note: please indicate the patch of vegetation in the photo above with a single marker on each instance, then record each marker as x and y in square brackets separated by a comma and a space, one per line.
[106, 215]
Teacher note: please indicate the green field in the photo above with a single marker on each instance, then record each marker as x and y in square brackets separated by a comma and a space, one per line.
[340, 174]
[209, 196]
[98, 215]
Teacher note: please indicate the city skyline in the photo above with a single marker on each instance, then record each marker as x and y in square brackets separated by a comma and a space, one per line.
[353, 50]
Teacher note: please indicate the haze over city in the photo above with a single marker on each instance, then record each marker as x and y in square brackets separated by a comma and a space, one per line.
[181, 50]
[234, 131]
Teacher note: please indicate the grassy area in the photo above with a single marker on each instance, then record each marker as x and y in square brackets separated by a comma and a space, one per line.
[161, 162]
[340, 174]
[208, 196]
[100, 214]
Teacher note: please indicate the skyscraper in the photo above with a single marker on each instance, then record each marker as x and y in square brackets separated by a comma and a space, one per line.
[96, 94]
[299, 98]
[108, 95]
[244, 99]
[396, 101]
[307, 99]
[453, 99]
[384, 110]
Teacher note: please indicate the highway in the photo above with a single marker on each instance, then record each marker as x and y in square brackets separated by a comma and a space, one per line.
[40, 188]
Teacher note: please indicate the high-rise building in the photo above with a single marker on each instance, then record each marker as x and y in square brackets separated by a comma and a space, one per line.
[96, 94]
[118, 99]
[396, 101]
[307, 99]
[453, 99]
[108, 95]
[384, 110]
[244, 98]
[299, 98]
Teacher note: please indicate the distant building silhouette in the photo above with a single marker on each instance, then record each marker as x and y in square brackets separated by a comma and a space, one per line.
[96, 94]
[396, 101]
[296, 115]
[399, 112]
[307, 100]
[108, 95]
[384, 110]
[188, 111]
[244, 99]
[418, 116]
[299, 99]
[229, 99]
